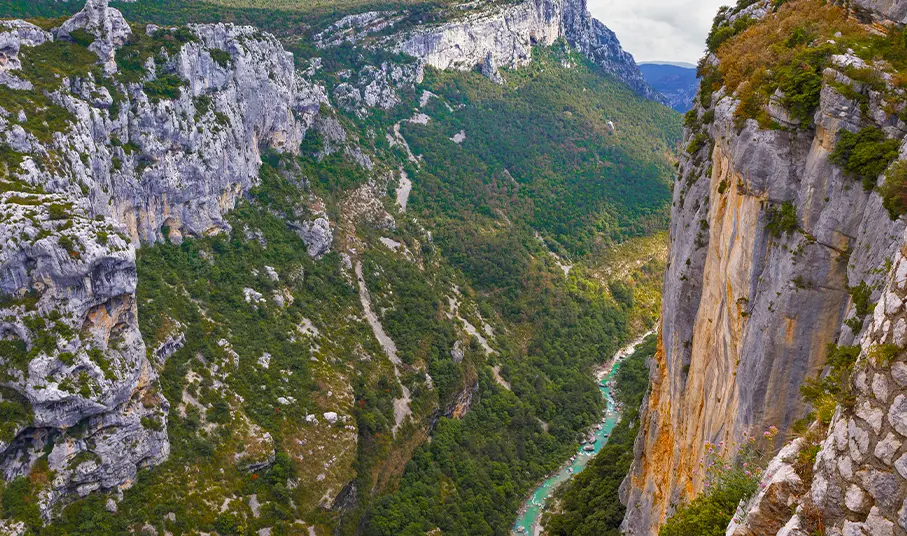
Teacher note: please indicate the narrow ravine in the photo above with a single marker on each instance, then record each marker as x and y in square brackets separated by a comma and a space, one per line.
[529, 518]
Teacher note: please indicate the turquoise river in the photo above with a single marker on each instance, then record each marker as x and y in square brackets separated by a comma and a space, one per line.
[529, 518]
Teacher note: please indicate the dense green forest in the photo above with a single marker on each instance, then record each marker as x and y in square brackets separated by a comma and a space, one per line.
[589, 504]
[572, 154]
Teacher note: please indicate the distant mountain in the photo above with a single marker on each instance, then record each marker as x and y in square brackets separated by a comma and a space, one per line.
[677, 82]
[684, 64]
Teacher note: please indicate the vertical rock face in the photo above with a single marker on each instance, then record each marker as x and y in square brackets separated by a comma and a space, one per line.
[860, 474]
[505, 36]
[747, 311]
[130, 167]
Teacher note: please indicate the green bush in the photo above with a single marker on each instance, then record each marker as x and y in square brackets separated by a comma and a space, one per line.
[221, 57]
[710, 512]
[782, 220]
[720, 34]
[866, 153]
[164, 87]
[691, 119]
[802, 86]
[82, 37]
[66, 242]
[699, 141]
[894, 190]
[862, 298]
[14, 412]
[825, 393]
[57, 211]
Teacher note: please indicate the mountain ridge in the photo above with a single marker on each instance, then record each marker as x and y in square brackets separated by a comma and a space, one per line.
[678, 84]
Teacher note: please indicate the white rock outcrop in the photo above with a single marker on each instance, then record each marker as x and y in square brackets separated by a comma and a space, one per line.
[503, 36]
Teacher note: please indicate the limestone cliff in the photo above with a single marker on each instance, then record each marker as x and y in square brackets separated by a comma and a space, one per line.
[490, 35]
[504, 37]
[749, 304]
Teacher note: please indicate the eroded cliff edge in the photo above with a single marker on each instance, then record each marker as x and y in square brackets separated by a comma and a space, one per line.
[769, 241]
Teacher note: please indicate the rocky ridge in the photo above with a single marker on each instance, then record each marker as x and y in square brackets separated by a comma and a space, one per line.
[492, 35]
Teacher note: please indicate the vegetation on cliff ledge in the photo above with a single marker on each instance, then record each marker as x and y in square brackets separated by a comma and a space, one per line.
[781, 58]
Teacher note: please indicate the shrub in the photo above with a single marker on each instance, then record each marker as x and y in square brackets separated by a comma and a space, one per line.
[710, 513]
[721, 34]
[862, 298]
[164, 87]
[782, 220]
[81, 37]
[66, 242]
[866, 153]
[698, 142]
[56, 211]
[152, 423]
[221, 57]
[894, 190]
[14, 411]
[825, 393]
[884, 354]
[802, 85]
[727, 484]
[806, 458]
[691, 119]
[781, 52]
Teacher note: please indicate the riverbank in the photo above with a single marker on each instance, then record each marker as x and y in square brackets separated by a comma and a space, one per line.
[528, 519]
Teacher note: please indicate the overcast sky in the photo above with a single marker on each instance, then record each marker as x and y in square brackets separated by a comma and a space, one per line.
[659, 30]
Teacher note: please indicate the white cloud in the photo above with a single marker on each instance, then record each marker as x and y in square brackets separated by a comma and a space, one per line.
[652, 30]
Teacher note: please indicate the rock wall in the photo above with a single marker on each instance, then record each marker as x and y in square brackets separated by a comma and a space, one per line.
[504, 37]
[881, 10]
[859, 483]
[747, 312]
[73, 209]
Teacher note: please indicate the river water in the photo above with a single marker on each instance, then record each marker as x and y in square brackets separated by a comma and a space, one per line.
[528, 520]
